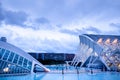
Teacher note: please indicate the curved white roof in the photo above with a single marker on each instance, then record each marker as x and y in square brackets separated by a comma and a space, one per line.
[22, 53]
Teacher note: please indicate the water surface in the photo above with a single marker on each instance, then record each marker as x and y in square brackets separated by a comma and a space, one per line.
[81, 76]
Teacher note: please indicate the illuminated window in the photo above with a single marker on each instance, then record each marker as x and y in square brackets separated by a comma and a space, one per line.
[115, 41]
[99, 40]
[107, 41]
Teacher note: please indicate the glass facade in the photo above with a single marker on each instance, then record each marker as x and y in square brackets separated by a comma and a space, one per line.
[1, 52]
[11, 62]
[6, 55]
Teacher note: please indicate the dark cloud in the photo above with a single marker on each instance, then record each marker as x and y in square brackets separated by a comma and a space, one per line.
[41, 23]
[71, 32]
[1, 13]
[106, 8]
[15, 18]
[59, 25]
[64, 11]
[42, 20]
[117, 25]
[12, 17]
[88, 30]
[92, 29]
[68, 11]
[81, 31]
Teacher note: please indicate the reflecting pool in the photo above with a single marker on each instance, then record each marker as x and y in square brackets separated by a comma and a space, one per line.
[80, 76]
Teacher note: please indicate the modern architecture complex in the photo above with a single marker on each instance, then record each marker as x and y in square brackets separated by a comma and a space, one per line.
[98, 51]
[16, 61]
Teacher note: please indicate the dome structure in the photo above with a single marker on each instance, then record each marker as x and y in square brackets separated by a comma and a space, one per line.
[13, 60]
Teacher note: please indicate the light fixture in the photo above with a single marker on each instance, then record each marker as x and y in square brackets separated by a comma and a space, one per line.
[115, 41]
[119, 65]
[6, 69]
[107, 41]
[96, 54]
[99, 40]
[9, 65]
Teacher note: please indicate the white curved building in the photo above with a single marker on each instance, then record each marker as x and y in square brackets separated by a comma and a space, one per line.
[16, 61]
[99, 51]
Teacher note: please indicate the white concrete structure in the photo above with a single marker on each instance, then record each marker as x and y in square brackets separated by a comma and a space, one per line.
[16, 61]
[99, 51]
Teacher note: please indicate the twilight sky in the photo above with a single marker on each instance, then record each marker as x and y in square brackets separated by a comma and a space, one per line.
[55, 25]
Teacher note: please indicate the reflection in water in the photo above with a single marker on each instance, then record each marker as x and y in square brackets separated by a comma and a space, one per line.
[63, 77]
[80, 76]
[39, 76]
[23, 77]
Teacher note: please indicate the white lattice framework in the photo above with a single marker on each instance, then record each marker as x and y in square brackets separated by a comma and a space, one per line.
[106, 50]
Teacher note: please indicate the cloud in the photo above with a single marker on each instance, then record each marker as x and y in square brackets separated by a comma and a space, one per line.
[12, 17]
[77, 32]
[65, 11]
[59, 25]
[15, 18]
[71, 32]
[117, 25]
[32, 40]
[68, 12]
[58, 46]
[92, 29]
[42, 20]
[54, 26]
[1, 13]
[41, 23]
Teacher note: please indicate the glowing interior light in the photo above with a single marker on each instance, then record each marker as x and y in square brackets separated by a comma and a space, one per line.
[107, 41]
[115, 41]
[99, 40]
[6, 69]
[111, 57]
[119, 65]
[96, 54]
[9, 65]
[106, 54]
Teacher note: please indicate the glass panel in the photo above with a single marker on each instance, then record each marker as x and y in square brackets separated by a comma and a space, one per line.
[16, 58]
[6, 55]
[2, 52]
[11, 57]
[20, 60]
[29, 65]
[25, 63]
[1, 65]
